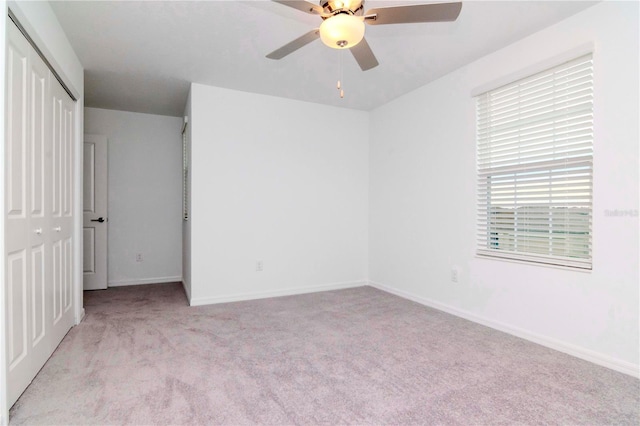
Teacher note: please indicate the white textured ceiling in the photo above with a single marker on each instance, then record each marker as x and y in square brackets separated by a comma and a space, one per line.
[141, 56]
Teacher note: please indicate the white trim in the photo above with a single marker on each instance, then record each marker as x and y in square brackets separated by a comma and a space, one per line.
[535, 68]
[187, 291]
[4, 409]
[526, 262]
[78, 157]
[42, 56]
[567, 348]
[141, 281]
[34, 34]
[276, 293]
[17, 11]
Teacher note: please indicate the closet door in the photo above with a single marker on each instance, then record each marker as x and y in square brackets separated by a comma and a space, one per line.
[24, 236]
[61, 209]
[38, 226]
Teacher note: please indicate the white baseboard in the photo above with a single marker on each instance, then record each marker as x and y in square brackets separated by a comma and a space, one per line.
[81, 316]
[156, 280]
[187, 291]
[276, 293]
[568, 348]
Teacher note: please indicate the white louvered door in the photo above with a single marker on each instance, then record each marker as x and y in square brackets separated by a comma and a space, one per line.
[38, 215]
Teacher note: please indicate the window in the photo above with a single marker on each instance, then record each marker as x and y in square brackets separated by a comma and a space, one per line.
[535, 167]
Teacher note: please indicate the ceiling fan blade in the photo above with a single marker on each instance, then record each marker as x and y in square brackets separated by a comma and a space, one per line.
[302, 5]
[436, 12]
[364, 55]
[295, 45]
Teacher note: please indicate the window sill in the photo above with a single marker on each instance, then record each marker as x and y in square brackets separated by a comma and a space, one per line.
[534, 264]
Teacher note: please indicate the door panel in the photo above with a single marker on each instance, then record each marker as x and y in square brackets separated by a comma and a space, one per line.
[17, 295]
[38, 97]
[89, 172]
[94, 208]
[37, 293]
[88, 248]
[67, 141]
[57, 281]
[56, 149]
[68, 274]
[16, 146]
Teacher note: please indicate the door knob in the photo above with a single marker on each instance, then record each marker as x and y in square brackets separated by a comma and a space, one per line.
[100, 219]
[38, 231]
[58, 228]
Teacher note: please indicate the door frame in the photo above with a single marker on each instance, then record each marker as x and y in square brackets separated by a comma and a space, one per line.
[31, 18]
[4, 410]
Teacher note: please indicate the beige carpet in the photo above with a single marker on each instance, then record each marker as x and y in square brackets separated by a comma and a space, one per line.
[358, 356]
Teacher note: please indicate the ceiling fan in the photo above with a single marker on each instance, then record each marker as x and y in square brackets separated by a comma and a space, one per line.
[343, 24]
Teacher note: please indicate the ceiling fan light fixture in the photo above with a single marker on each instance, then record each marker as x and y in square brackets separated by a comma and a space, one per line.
[342, 31]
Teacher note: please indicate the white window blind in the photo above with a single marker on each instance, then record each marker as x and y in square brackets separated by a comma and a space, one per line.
[535, 167]
[185, 174]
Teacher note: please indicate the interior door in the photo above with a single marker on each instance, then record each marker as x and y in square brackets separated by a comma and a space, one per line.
[23, 241]
[61, 210]
[38, 241]
[94, 230]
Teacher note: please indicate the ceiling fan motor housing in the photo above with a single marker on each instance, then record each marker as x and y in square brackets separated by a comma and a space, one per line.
[333, 7]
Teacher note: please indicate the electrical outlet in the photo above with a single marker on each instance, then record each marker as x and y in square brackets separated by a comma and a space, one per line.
[139, 257]
[259, 265]
[454, 274]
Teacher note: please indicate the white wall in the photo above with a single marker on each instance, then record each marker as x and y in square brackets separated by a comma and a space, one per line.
[145, 194]
[40, 22]
[422, 192]
[280, 181]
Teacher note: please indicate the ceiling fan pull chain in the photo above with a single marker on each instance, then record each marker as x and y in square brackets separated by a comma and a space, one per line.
[341, 80]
